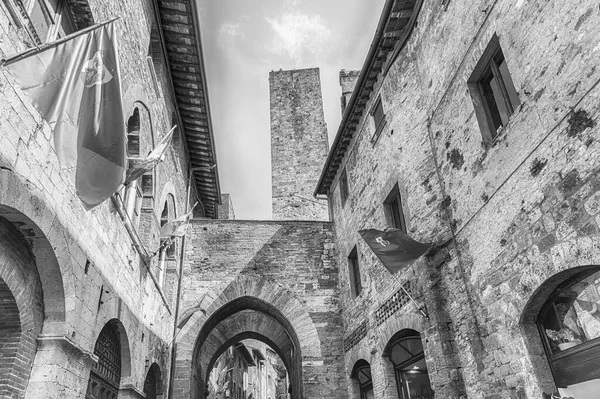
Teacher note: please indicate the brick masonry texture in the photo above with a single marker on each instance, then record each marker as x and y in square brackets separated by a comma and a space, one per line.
[517, 212]
[83, 263]
[298, 144]
[289, 267]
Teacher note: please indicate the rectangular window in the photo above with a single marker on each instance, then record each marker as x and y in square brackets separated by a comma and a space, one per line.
[493, 92]
[355, 283]
[378, 119]
[393, 209]
[51, 19]
[344, 187]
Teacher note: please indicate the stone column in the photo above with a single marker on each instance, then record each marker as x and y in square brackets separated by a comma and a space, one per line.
[61, 368]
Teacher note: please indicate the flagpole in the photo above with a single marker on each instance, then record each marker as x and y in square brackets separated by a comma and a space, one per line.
[35, 50]
[410, 297]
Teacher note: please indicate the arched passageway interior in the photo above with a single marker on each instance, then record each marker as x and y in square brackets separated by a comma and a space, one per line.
[241, 319]
[565, 310]
[248, 369]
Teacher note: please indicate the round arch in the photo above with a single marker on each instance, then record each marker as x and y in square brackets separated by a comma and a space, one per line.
[46, 238]
[123, 341]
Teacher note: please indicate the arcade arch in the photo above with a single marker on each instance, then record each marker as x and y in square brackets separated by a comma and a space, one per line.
[243, 318]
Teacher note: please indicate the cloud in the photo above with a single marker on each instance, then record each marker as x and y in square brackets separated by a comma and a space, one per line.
[230, 30]
[297, 33]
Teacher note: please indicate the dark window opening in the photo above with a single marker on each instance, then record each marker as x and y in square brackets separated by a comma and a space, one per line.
[393, 209]
[133, 134]
[493, 91]
[378, 120]
[355, 282]
[362, 372]
[344, 187]
[105, 375]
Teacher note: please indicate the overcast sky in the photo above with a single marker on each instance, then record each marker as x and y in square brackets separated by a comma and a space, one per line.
[243, 41]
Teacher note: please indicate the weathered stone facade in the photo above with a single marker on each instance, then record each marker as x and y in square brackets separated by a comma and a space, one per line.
[275, 281]
[515, 218]
[66, 273]
[298, 144]
[514, 213]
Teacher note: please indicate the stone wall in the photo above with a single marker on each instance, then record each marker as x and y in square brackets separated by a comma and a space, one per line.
[348, 80]
[298, 144]
[277, 282]
[90, 269]
[516, 212]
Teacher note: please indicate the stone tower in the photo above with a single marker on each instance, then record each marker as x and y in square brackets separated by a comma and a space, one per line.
[298, 144]
[348, 80]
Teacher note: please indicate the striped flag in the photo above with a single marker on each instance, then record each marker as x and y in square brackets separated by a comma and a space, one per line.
[74, 84]
[150, 162]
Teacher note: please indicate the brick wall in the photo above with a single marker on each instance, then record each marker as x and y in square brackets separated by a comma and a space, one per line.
[298, 144]
[97, 274]
[21, 309]
[517, 212]
[275, 279]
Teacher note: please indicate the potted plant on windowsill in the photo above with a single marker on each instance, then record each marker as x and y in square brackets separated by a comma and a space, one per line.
[563, 337]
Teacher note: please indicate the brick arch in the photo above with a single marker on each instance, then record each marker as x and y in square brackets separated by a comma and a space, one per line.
[253, 324]
[389, 328]
[47, 240]
[246, 292]
[21, 311]
[227, 317]
[268, 291]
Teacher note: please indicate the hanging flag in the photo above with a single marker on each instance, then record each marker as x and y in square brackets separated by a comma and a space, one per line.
[176, 227]
[394, 248]
[74, 84]
[150, 162]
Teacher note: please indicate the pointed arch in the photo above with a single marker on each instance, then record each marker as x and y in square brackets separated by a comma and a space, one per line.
[263, 300]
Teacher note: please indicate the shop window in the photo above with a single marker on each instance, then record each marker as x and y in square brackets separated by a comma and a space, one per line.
[354, 271]
[493, 92]
[393, 209]
[378, 117]
[569, 324]
[105, 375]
[405, 351]
[362, 373]
[344, 187]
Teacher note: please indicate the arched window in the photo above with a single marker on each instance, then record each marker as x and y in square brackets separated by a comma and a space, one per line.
[105, 376]
[405, 351]
[133, 193]
[152, 382]
[569, 324]
[362, 372]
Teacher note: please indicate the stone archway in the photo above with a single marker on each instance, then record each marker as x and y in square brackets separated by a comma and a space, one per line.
[246, 317]
[252, 307]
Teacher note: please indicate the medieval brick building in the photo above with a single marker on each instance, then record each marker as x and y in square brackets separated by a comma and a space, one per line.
[472, 125]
